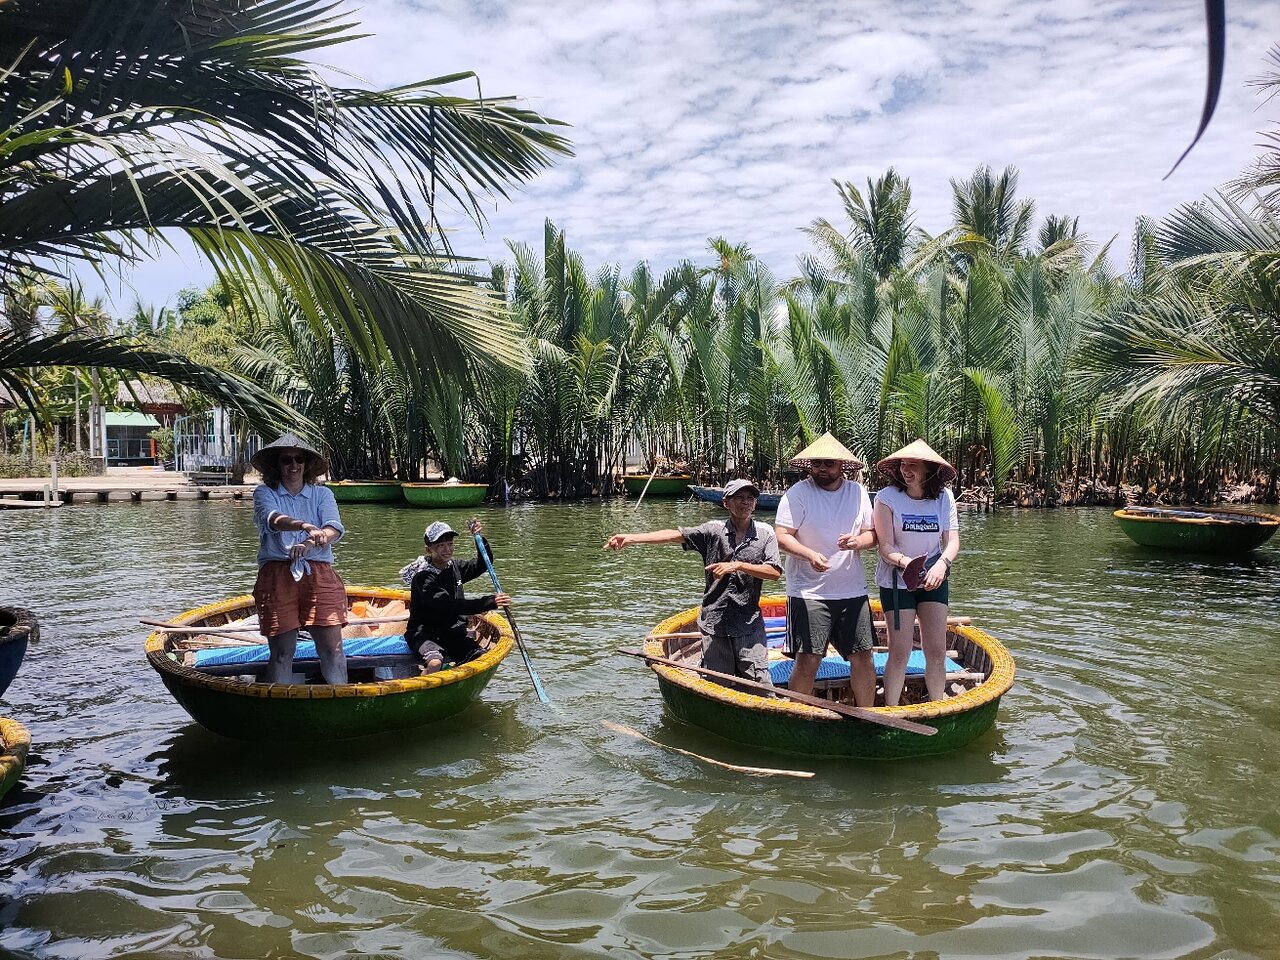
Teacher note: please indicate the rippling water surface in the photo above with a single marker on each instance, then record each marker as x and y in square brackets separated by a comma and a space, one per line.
[1124, 806]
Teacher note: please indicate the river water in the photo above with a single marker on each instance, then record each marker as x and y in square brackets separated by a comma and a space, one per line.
[1124, 806]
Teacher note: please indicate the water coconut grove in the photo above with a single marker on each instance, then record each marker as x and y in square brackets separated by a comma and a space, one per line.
[1050, 368]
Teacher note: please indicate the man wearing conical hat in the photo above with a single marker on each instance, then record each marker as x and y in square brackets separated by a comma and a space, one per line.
[919, 538]
[822, 524]
[297, 586]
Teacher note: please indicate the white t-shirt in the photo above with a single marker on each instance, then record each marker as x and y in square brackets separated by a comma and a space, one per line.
[819, 518]
[918, 526]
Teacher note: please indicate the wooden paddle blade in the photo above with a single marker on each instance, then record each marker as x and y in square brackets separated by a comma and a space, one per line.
[753, 771]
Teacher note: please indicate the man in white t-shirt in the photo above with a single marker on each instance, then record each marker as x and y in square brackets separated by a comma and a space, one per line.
[822, 525]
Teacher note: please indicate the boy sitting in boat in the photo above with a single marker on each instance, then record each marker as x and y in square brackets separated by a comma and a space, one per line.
[438, 608]
[739, 555]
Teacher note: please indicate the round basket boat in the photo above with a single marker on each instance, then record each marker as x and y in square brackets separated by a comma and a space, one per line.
[18, 628]
[768, 500]
[443, 495]
[788, 727]
[1206, 531]
[15, 742]
[234, 702]
[660, 487]
[366, 491]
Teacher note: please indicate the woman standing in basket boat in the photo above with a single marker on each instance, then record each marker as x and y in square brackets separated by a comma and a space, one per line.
[297, 586]
[915, 519]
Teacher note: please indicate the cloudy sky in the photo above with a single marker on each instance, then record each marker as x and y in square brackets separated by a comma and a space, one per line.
[732, 117]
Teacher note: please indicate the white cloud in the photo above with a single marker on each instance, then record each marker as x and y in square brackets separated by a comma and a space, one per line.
[732, 117]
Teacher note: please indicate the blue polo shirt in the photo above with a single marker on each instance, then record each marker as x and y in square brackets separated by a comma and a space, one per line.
[313, 504]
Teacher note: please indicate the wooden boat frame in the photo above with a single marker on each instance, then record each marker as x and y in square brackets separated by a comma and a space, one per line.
[301, 712]
[443, 496]
[366, 491]
[15, 744]
[788, 727]
[1204, 529]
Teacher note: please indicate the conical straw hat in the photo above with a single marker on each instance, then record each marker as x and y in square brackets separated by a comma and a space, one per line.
[826, 447]
[916, 450]
[266, 456]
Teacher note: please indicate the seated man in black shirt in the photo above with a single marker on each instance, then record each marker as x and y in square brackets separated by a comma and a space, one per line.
[438, 609]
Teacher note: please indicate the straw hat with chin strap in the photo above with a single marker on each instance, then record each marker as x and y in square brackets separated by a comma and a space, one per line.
[826, 447]
[267, 457]
[916, 450]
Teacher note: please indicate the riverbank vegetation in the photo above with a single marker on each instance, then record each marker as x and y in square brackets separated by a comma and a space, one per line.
[1009, 340]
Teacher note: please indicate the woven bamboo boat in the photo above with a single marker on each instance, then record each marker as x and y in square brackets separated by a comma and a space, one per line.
[788, 727]
[660, 487]
[15, 742]
[18, 628]
[443, 495]
[366, 491]
[766, 500]
[237, 703]
[1206, 530]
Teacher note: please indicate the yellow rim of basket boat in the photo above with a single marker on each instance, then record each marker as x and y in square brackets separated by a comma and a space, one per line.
[159, 657]
[16, 741]
[995, 686]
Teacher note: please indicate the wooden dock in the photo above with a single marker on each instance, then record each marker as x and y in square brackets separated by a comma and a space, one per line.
[7, 504]
[127, 487]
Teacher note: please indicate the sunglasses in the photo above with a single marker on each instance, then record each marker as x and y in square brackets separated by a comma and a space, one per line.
[293, 458]
[825, 463]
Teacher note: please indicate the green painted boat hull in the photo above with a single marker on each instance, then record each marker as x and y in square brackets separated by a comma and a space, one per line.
[783, 726]
[318, 711]
[836, 738]
[372, 491]
[1184, 536]
[440, 496]
[660, 487]
[332, 718]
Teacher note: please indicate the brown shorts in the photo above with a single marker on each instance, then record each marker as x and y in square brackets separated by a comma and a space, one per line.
[317, 600]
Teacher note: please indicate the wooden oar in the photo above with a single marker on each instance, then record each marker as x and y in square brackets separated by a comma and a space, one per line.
[524, 652]
[754, 771]
[220, 640]
[857, 713]
[232, 630]
[640, 500]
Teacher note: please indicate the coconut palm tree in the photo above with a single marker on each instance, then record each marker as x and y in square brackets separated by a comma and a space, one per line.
[881, 224]
[121, 121]
[988, 215]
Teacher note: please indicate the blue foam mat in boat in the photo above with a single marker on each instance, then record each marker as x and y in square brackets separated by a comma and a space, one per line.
[836, 668]
[261, 653]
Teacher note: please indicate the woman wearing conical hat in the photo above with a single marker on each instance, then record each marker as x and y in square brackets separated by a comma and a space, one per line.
[915, 519]
[822, 524]
[297, 586]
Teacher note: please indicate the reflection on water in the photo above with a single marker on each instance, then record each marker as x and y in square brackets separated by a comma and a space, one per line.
[1122, 807]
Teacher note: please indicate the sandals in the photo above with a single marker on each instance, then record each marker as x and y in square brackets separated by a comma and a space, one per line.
[433, 663]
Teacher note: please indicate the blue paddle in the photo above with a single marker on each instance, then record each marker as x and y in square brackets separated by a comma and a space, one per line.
[524, 652]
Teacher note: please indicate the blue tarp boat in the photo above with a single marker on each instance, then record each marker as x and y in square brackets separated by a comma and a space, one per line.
[767, 501]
